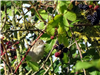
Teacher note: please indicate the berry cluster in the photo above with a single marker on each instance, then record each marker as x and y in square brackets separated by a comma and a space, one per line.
[9, 47]
[61, 49]
[12, 51]
[93, 13]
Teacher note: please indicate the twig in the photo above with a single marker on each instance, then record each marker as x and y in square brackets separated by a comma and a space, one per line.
[49, 67]
[79, 51]
[22, 30]
[86, 24]
[71, 44]
[70, 3]
[7, 59]
[46, 70]
[13, 16]
[29, 72]
[5, 66]
[37, 12]
[5, 17]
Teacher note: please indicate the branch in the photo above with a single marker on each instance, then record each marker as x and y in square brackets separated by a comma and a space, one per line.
[87, 24]
[5, 17]
[49, 67]
[6, 64]
[37, 12]
[7, 59]
[79, 51]
[13, 16]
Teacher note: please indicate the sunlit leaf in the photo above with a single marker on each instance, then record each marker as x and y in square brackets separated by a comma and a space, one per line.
[49, 45]
[83, 65]
[33, 65]
[70, 16]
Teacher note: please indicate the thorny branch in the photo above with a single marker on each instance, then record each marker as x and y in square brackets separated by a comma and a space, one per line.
[78, 50]
[6, 56]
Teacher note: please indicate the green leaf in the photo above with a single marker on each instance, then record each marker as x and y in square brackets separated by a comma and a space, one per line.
[33, 65]
[94, 73]
[40, 72]
[83, 65]
[61, 30]
[71, 25]
[6, 27]
[56, 66]
[65, 58]
[44, 14]
[69, 3]
[28, 58]
[54, 22]
[2, 2]
[28, 68]
[45, 37]
[62, 9]
[50, 30]
[70, 16]
[49, 45]
[65, 22]
[96, 63]
[54, 51]
[9, 11]
[2, 71]
[40, 25]
[63, 41]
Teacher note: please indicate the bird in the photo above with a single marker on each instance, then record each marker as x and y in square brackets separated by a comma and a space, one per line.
[37, 51]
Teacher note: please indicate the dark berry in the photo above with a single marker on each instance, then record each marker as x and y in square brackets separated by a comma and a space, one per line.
[57, 43]
[94, 20]
[61, 55]
[60, 47]
[90, 6]
[80, 6]
[96, 7]
[98, 13]
[89, 17]
[65, 50]
[95, 14]
[57, 54]
[55, 47]
[52, 37]
[7, 42]
[85, 7]
[13, 53]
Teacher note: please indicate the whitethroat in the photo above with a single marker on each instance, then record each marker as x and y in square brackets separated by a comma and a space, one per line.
[37, 51]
